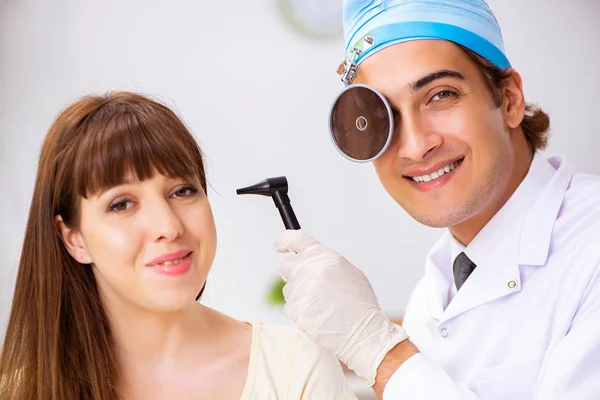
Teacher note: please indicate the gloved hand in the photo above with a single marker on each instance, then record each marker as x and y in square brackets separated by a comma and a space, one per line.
[333, 302]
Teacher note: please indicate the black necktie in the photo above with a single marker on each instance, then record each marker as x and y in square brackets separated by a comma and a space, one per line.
[462, 268]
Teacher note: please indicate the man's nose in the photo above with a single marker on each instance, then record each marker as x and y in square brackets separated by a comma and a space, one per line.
[416, 138]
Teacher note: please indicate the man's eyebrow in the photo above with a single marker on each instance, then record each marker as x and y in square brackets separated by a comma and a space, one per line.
[445, 73]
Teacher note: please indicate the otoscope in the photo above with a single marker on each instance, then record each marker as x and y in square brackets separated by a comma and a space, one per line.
[276, 188]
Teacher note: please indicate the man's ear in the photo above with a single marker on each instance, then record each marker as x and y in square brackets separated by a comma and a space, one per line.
[73, 242]
[513, 105]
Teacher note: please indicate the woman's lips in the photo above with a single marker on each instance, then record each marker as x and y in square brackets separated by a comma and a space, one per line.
[175, 267]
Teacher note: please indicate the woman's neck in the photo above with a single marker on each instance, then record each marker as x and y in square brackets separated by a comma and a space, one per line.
[146, 337]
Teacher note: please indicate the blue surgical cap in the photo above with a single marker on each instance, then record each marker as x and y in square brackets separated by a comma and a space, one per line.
[372, 25]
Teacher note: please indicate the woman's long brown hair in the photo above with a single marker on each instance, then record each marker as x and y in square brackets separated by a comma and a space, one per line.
[58, 344]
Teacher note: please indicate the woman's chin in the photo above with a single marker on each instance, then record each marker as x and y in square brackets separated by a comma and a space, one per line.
[172, 301]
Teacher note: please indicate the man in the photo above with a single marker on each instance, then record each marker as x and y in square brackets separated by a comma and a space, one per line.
[462, 152]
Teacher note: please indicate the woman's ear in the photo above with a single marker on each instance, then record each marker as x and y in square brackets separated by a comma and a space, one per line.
[73, 242]
[514, 100]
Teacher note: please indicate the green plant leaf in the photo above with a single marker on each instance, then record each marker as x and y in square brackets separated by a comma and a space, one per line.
[275, 293]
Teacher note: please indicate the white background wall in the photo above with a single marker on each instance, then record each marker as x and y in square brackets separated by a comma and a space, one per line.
[257, 95]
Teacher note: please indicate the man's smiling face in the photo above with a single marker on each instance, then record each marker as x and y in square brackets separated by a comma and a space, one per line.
[451, 155]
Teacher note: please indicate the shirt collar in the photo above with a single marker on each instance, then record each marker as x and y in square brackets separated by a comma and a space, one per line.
[456, 248]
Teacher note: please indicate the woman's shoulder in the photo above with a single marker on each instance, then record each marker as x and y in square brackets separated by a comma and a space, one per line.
[287, 341]
[278, 333]
[285, 354]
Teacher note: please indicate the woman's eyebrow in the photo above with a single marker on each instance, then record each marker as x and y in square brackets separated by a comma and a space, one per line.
[104, 189]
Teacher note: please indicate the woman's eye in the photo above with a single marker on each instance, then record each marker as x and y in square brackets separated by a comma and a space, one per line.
[120, 205]
[444, 94]
[186, 191]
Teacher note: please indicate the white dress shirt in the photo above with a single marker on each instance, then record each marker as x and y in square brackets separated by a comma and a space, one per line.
[526, 323]
[455, 249]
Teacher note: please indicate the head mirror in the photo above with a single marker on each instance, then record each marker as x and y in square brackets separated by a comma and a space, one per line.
[361, 123]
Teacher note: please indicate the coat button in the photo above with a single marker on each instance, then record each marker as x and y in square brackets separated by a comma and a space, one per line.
[444, 333]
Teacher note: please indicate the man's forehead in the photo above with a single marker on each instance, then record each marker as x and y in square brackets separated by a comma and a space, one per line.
[413, 60]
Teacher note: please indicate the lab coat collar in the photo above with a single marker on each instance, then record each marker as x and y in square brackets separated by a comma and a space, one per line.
[526, 200]
[519, 234]
[539, 220]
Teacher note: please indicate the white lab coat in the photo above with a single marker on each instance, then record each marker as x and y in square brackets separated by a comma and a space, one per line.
[526, 323]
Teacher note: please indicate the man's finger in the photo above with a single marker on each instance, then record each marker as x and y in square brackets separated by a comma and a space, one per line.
[293, 241]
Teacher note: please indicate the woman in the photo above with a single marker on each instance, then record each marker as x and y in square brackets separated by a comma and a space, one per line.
[119, 241]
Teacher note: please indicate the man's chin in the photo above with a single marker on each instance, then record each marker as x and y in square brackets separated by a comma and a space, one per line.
[437, 219]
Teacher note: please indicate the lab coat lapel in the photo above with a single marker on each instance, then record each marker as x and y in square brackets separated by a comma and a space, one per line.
[437, 284]
[499, 277]
[524, 242]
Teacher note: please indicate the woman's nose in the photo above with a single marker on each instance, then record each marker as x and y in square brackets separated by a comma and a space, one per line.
[165, 223]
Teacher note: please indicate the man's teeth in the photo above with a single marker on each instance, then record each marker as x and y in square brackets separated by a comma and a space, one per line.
[173, 261]
[436, 174]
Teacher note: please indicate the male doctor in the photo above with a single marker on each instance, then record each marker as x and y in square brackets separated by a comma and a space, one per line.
[509, 305]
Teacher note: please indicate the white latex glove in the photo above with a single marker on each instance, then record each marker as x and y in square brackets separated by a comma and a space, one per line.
[333, 302]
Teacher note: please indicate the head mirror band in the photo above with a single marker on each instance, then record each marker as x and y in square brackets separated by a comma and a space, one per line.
[391, 34]
[347, 69]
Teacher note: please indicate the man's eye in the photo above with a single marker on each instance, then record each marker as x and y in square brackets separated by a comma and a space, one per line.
[120, 205]
[444, 94]
[396, 118]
